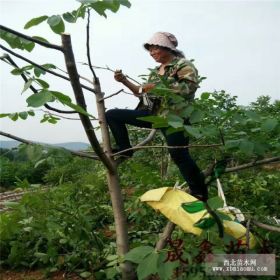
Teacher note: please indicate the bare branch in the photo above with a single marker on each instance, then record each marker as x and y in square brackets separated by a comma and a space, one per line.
[88, 48]
[168, 147]
[41, 67]
[109, 69]
[248, 234]
[45, 44]
[252, 164]
[149, 138]
[11, 61]
[28, 142]
[109, 96]
[265, 226]
[67, 118]
[78, 92]
[166, 234]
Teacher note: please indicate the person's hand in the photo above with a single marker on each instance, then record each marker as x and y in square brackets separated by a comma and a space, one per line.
[119, 76]
[148, 87]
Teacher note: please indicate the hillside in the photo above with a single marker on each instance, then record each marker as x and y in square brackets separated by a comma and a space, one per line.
[73, 146]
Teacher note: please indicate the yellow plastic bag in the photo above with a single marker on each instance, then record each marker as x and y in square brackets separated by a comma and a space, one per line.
[169, 200]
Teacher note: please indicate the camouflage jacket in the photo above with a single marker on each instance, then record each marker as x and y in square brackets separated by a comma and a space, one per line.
[180, 75]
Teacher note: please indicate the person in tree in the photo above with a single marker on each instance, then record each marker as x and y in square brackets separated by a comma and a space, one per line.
[182, 78]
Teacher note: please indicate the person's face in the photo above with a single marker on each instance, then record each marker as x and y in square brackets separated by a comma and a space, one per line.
[159, 54]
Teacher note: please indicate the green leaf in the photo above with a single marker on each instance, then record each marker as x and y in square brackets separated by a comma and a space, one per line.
[39, 99]
[166, 270]
[246, 146]
[27, 85]
[13, 117]
[31, 113]
[205, 223]
[69, 17]
[148, 266]
[125, 3]
[64, 99]
[223, 216]
[23, 115]
[175, 121]
[196, 116]
[187, 112]
[4, 115]
[137, 254]
[56, 24]
[27, 45]
[43, 83]
[269, 125]
[205, 95]
[17, 71]
[49, 66]
[193, 131]
[40, 39]
[193, 207]
[215, 202]
[157, 121]
[253, 116]
[35, 21]
[38, 72]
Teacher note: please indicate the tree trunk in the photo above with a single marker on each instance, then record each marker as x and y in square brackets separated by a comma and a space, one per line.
[104, 154]
[114, 187]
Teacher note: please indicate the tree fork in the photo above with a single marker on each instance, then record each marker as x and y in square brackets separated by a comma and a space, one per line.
[78, 92]
[112, 174]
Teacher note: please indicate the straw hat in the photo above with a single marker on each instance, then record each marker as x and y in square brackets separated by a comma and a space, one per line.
[163, 39]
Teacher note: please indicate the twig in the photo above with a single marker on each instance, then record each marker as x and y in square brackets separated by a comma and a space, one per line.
[81, 77]
[42, 68]
[67, 118]
[166, 234]
[265, 226]
[149, 138]
[45, 44]
[28, 142]
[252, 164]
[88, 48]
[109, 96]
[109, 69]
[168, 147]
[80, 99]
[248, 234]
[11, 62]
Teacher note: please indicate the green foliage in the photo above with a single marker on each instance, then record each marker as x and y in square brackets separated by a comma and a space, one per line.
[151, 262]
[55, 228]
[16, 42]
[193, 207]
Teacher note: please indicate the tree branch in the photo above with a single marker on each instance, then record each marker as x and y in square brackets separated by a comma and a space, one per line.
[168, 147]
[11, 61]
[265, 226]
[149, 138]
[166, 234]
[78, 92]
[67, 118]
[28, 142]
[41, 67]
[252, 164]
[109, 69]
[88, 48]
[109, 96]
[45, 44]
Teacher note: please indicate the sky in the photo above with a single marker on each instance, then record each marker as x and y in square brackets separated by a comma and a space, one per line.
[235, 44]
